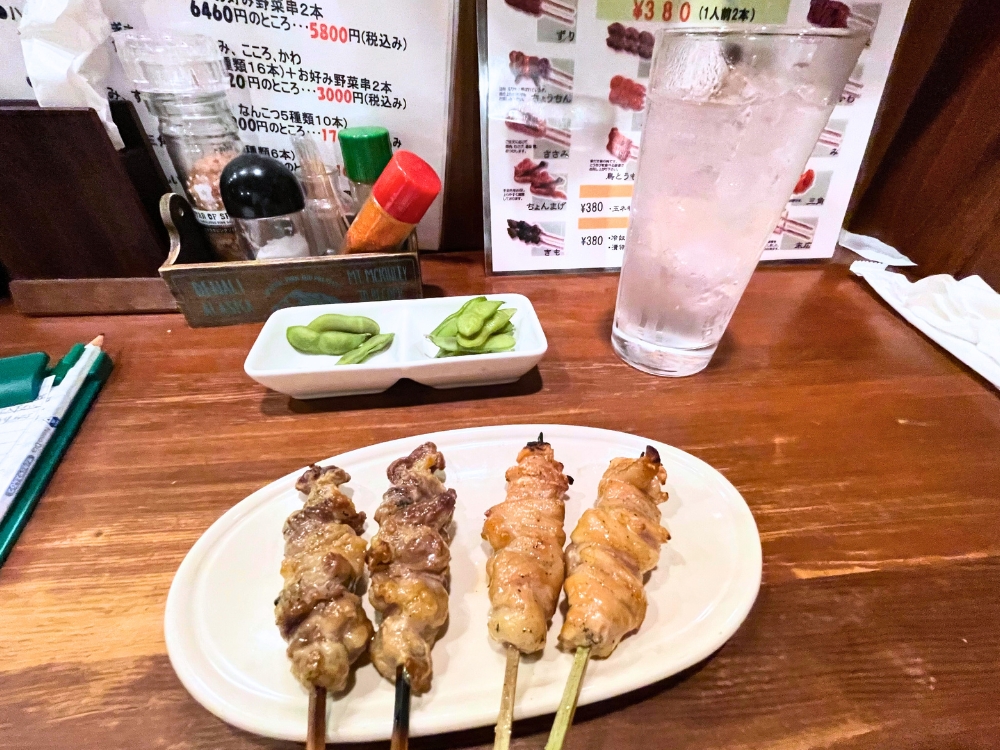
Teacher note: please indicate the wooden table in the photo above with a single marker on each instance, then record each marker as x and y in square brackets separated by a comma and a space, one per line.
[870, 459]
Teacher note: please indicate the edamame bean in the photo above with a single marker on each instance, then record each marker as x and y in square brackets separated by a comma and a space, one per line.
[472, 320]
[372, 346]
[448, 343]
[308, 341]
[302, 339]
[448, 329]
[501, 342]
[494, 325]
[451, 319]
[338, 342]
[345, 323]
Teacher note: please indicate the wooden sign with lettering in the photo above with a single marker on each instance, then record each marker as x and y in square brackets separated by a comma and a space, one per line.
[219, 294]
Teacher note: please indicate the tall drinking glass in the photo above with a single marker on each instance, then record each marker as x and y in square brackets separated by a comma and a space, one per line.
[733, 116]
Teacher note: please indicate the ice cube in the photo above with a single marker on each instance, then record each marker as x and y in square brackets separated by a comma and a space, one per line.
[693, 69]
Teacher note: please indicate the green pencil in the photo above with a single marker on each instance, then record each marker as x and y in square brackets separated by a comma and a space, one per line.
[33, 487]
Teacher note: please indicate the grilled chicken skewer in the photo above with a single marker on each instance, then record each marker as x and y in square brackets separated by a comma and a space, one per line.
[408, 561]
[317, 611]
[614, 545]
[526, 568]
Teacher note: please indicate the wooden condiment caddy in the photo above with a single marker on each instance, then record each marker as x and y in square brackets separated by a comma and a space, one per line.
[218, 294]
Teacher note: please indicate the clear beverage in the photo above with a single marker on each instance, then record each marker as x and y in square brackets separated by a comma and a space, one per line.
[731, 121]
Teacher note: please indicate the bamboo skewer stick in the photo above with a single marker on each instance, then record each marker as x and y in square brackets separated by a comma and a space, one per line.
[567, 706]
[316, 734]
[565, 7]
[506, 717]
[401, 712]
[557, 14]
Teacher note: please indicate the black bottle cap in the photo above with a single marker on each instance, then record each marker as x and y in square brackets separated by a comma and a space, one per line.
[254, 186]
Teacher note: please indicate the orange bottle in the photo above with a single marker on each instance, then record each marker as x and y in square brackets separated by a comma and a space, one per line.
[399, 199]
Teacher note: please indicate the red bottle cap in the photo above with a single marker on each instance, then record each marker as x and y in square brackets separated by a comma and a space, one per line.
[407, 187]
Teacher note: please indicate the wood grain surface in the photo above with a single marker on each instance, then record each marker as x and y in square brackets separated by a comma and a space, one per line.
[868, 456]
[936, 194]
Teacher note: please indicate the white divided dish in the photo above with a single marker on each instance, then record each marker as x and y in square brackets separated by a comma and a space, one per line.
[273, 362]
[224, 645]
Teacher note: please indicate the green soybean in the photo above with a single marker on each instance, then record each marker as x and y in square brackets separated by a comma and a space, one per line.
[308, 341]
[451, 319]
[472, 320]
[448, 343]
[338, 342]
[345, 324]
[494, 325]
[303, 339]
[448, 329]
[372, 346]
[501, 342]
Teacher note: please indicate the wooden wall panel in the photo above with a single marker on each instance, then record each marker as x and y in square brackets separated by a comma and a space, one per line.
[927, 25]
[463, 191]
[936, 195]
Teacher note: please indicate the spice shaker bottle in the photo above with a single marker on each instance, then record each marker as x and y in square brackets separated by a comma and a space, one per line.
[366, 151]
[266, 203]
[183, 83]
[399, 199]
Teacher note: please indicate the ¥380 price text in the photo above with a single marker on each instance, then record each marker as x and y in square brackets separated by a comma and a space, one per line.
[650, 10]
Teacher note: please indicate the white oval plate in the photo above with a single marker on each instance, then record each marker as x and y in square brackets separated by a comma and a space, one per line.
[224, 646]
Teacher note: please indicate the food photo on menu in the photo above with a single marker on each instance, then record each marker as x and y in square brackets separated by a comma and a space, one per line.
[526, 373]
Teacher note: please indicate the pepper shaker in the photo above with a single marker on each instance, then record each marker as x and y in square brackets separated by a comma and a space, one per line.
[266, 203]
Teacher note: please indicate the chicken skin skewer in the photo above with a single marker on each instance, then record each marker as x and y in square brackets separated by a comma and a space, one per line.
[526, 569]
[613, 546]
[526, 532]
[409, 565]
[318, 612]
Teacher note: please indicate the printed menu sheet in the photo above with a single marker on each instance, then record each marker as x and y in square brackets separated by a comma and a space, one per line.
[304, 68]
[13, 76]
[566, 83]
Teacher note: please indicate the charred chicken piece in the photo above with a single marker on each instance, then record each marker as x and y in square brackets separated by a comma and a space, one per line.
[628, 39]
[536, 68]
[527, 123]
[530, 234]
[614, 545]
[627, 93]
[525, 170]
[547, 186]
[318, 612]
[829, 14]
[619, 146]
[408, 561]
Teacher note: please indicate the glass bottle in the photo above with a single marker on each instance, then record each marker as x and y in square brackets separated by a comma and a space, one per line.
[183, 83]
[267, 206]
[398, 200]
[366, 151]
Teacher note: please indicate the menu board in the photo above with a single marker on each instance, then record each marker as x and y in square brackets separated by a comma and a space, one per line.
[312, 68]
[13, 76]
[564, 84]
